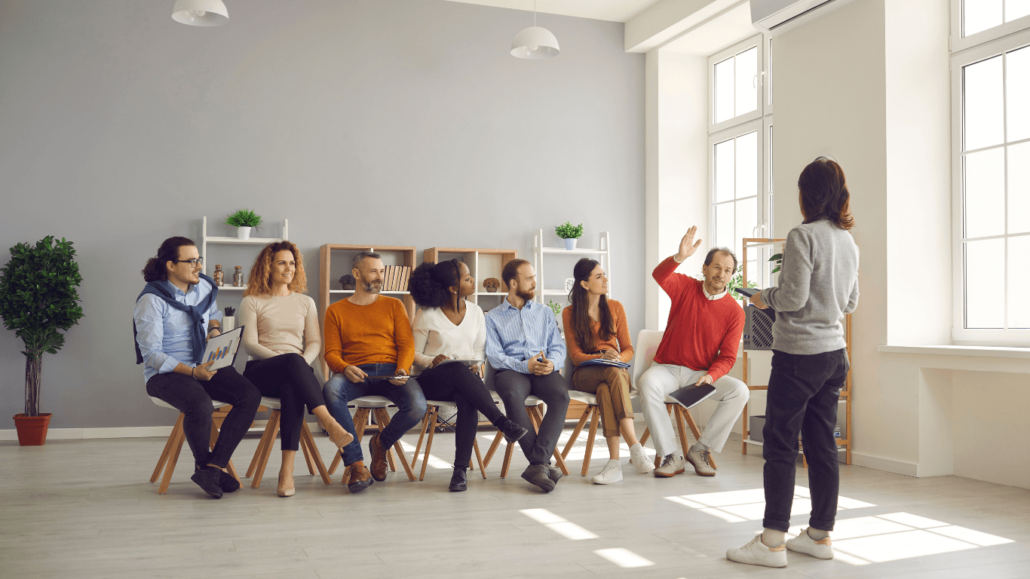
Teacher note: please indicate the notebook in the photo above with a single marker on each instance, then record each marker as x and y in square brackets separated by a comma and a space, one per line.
[690, 396]
[222, 349]
[603, 362]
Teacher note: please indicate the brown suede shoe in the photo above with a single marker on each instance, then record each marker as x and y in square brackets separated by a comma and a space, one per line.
[357, 477]
[378, 458]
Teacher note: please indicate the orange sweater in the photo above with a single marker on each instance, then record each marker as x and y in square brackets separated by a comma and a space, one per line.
[619, 342]
[378, 333]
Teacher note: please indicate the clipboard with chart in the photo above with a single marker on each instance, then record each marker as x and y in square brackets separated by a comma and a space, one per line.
[222, 349]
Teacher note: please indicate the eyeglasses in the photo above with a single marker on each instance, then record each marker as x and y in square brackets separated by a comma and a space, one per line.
[192, 262]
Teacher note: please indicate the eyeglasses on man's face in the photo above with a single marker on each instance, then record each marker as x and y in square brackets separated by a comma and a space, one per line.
[193, 262]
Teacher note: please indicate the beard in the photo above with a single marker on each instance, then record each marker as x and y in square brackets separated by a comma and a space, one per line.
[372, 287]
[527, 295]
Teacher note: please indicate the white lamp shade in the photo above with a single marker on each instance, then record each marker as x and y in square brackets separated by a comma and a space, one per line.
[535, 42]
[200, 12]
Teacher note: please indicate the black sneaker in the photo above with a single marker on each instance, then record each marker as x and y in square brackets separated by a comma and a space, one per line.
[459, 480]
[511, 430]
[228, 484]
[207, 478]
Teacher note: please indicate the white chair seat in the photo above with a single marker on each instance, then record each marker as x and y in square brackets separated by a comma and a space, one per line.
[440, 403]
[271, 403]
[533, 401]
[163, 404]
[371, 402]
[584, 397]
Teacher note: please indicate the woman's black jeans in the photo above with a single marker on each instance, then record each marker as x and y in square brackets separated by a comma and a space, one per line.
[802, 398]
[193, 398]
[455, 382]
[291, 379]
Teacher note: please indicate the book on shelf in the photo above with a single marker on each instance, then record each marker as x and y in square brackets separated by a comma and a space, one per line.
[386, 278]
[405, 279]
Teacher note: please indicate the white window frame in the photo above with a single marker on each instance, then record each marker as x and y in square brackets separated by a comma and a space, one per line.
[960, 42]
[753, 42]
[992, 45]
[756, 125]
[766, 75]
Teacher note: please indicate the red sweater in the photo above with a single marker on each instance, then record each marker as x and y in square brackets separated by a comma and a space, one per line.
[701, 333]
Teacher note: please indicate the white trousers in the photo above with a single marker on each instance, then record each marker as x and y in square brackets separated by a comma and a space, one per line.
[661, 379]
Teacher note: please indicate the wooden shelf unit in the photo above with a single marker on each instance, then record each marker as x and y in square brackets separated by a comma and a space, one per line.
[845, 394]
[480, 269]
[326, 280]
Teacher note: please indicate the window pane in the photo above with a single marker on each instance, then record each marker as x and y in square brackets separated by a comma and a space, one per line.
[980, 15]
[983, 104]
[1019, 281]
[747, 84]
[724, 90]
[724, 225]
[724, 171]
[985, 270]
[1016, 9]
[747, 165]
[1017, 87]
[753, 275]
[1019, 189]
[747, 219]
[985, 193]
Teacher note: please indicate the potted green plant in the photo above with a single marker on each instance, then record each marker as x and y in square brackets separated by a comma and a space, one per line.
[243, 220]
[39, 300]
[570, 233]
[738, 281]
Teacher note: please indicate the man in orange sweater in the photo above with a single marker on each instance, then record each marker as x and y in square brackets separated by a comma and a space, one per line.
[699, 347]
[367, 339]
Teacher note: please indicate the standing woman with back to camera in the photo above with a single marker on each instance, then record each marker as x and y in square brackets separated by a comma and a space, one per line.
[818, 286]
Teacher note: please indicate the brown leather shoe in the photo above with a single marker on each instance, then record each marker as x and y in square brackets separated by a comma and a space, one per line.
[357, 477]
[378, 458]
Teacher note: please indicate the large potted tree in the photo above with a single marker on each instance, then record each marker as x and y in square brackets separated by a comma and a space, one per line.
[39, 300]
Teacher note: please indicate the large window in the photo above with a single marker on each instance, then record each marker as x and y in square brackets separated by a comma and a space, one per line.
[740, 141]
[991, 172]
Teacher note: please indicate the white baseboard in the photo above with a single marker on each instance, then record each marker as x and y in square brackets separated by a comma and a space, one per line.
[122, 432]
[885, 464]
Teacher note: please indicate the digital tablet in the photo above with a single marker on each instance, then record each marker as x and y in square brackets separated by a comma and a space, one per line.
[222, 349]
[690, 396]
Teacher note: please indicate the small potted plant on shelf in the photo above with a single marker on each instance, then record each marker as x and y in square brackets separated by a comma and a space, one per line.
[243, 220]
[557, 308]
[570, 233]
[492, 284]
[39, 300]
[347, 281]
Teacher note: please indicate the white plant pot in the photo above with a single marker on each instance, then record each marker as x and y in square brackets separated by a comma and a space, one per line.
[228, 323]
[570, 244]
[243, 232]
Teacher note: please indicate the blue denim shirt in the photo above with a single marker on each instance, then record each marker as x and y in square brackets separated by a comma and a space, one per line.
[163, 333]
[513, 336]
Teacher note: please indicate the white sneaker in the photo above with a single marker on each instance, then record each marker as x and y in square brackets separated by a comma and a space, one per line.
[641, 462]
[804, 543]
[672, 465]
[756, 553]
[700, 461]
[611, 473]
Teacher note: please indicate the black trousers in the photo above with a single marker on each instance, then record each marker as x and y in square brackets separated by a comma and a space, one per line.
[193, 398]
[513, 388]
[291, 379]
[455, 382]
[802, 398]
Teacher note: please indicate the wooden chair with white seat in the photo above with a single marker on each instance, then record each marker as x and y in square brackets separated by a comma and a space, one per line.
[646, 347]
[373, 406]
[592, 413]
[264, 449]
[170, 454]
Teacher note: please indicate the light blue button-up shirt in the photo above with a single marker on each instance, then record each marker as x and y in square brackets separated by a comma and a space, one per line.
[163, 332]
[513, 336]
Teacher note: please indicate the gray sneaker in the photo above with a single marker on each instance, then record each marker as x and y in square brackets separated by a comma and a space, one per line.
[672, 465]
[538, 475]
[702, 466]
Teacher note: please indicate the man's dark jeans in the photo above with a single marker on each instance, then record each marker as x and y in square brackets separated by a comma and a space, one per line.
[410, 402]
[802, 398]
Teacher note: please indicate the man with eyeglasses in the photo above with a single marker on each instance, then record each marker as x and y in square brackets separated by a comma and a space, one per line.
[174, 317]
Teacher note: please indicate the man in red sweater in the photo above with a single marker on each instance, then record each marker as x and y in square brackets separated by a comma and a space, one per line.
[699, 347]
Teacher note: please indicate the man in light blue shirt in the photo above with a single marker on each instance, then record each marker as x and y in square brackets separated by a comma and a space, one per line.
[524, 345]
[174, 317]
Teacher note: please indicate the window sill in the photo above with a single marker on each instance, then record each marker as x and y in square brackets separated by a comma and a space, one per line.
[965, 351]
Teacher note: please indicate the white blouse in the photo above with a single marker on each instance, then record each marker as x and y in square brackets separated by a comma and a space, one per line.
[435, 335]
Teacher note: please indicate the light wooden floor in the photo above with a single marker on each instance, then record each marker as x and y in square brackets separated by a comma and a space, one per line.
[83, 509]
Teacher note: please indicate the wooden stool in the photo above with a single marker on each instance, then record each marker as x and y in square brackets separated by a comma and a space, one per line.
[264, 449]
[682, 415]
[592, 412]
[373, 405]
[431, 422]
[170, 454]
[535, 416]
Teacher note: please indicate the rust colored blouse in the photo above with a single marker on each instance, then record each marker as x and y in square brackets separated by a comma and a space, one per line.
[620, 342]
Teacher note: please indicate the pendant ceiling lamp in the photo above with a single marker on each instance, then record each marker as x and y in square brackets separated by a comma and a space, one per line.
[200, 12]
[535, 42]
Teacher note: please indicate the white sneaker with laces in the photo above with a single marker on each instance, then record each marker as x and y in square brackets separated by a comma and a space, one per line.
[699, 460]
[640, 462]
[611, 473]
[804, 543]
[756, 553]
[672, 465]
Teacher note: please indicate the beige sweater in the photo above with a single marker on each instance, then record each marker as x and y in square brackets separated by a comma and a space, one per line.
[280, 325]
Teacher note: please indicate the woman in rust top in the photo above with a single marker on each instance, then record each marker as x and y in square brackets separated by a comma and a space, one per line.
[596, 328]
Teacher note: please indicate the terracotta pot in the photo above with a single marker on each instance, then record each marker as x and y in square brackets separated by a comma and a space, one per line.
[32, 429]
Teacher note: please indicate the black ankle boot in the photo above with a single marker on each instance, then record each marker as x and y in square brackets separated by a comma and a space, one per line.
[511, 430]
[459, 480]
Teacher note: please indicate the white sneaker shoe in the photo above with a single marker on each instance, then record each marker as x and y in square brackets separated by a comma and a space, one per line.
[672, 465]
[804, 543]
[640, 461]
[611, 473]
[699, 460]
[756, 553]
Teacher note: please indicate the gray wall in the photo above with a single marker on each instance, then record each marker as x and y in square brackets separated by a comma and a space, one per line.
[362, 121]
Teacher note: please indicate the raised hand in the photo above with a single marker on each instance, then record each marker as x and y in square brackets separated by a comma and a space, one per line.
[687, 245]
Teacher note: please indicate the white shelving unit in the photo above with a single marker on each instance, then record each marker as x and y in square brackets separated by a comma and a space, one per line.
[206, 239]
[541, 252]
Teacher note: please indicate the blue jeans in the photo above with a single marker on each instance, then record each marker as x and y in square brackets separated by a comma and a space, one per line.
[411, 405]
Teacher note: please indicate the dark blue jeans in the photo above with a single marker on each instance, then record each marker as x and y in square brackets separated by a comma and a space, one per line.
[802, 398]
[411, 405]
